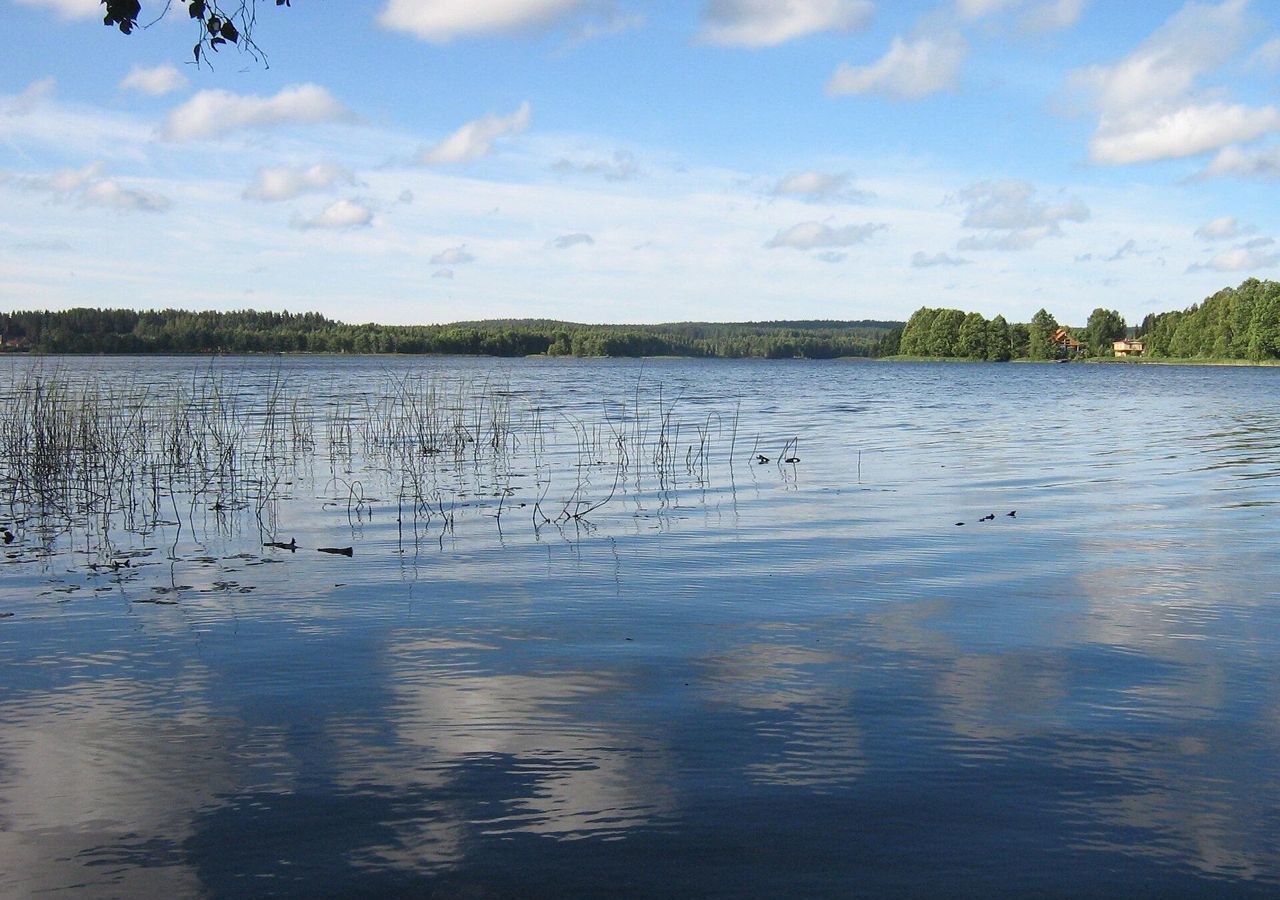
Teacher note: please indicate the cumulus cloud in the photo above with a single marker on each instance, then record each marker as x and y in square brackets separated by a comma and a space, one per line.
[276, 183]
[89, 186]
[1011, 216]
[622, 166]
[565, 241]
[812, 235]
[819, 187]
[156, 81]
[1260, 162]
[1224, 228]
[475, 139]
[32, 96]
[1241, 259]
[922, 260]
[767, 23]
[908, 71]
[440, 21]
[454, 256]
[1150, 105]
[214, 113]
[337, 216]
[68, 9]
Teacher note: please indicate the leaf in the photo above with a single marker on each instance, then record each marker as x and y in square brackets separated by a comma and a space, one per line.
[196, 50]
[197, 9]
[229, 32]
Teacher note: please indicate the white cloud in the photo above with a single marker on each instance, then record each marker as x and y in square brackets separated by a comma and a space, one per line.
[68, 9]
[32, 96]
[565, 241]
[621, 167]
[441, 21]
[1262, 162]
[156, 81]
[1054, 15]
[819, 187]
[112, 195]
[443, 273]
[909, 70]
[1011, 216]
[475, 139]
[1266, 57]
[976, 9]
[1187, 131]
[213, 113]
[1047, 15]
[767, 23]
[1124, 251]
[88, 186]
[276, 183]
[454, 256]
[811, 235]
[922, 260]
[1224, 228]
[1241, 259]
[340, 214]
[1150, 106]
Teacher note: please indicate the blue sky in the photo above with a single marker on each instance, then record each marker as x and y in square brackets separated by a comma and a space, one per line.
[634, 161]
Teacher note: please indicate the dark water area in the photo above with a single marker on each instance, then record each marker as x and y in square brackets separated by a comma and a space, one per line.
[725, 678]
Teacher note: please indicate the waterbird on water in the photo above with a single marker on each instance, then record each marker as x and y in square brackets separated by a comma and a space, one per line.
[1012, 513]
[761, 458]
[990, 517]
[291, 546]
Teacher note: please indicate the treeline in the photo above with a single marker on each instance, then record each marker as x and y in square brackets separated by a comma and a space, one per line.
[180, 331]
[959, 335]
[1235, 323]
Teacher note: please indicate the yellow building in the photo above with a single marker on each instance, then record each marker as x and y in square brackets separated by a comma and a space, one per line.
[1128, 348]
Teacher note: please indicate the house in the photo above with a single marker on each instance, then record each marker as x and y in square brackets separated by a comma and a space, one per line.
[1128, 347]
[1066, 343]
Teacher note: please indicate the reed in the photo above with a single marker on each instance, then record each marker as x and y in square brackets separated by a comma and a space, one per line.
[77, 452]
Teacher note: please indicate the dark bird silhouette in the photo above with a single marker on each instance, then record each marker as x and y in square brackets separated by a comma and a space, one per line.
[792, 459]
[340, 551]
[291, 546]
[7, 535]
[990, 517]
[761, 458]
[959, 523]
[1012, 513]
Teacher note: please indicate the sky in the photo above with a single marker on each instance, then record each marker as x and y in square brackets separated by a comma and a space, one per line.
[423, 161]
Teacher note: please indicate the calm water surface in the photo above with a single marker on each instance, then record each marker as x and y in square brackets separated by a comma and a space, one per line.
[747, 680]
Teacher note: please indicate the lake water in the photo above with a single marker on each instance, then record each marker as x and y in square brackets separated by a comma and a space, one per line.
[609, 658]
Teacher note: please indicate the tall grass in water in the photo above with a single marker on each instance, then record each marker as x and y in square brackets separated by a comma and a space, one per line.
[85, 453]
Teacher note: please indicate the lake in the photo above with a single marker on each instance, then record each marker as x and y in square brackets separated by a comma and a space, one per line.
[587, 643]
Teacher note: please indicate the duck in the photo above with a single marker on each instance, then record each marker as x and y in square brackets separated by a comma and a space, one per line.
[761, 458]
[1013, 513]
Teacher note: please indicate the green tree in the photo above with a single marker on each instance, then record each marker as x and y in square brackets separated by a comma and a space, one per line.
[1105, 326]
[944, 333]
[971, 342]
[1040, 336]
[999, 347]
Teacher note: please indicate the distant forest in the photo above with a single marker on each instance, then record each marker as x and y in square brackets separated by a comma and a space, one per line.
[179, 331]
[1235, 323]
